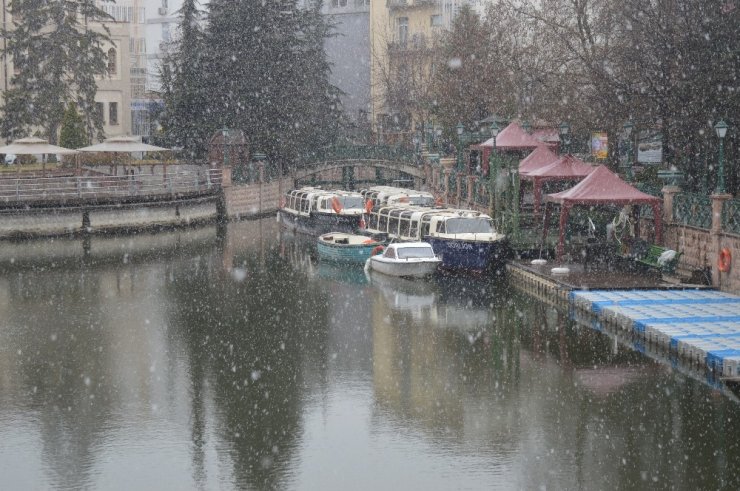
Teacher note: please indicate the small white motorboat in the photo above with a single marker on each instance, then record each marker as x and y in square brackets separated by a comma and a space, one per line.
[406, 259]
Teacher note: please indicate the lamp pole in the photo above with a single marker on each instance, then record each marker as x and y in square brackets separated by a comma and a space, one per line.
[564, 131]
[628, 127]
[491, 176]
[460, 130]
[721, 129]
[225, 134]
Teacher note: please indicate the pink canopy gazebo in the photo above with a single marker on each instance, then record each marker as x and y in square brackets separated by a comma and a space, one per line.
[511, 138]
[601, 187]
[540, 157]
[566, 168]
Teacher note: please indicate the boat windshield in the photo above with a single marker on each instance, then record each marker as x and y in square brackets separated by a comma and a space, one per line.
[421, 200]
[351, 201]
[413, 252]
[469, 226]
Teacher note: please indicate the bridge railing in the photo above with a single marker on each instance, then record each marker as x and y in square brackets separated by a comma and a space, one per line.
[360, 152]
[103, 187]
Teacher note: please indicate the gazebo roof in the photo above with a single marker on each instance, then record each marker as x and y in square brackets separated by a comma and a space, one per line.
[602, 186]
[566, 167]
[540, 157]
[513, 137]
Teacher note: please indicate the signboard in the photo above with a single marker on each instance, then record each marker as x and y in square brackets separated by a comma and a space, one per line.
[599, 145]
[649, 147]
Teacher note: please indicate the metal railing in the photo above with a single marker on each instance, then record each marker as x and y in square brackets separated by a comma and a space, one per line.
[693, 210]
[731, 216]
[108, 187]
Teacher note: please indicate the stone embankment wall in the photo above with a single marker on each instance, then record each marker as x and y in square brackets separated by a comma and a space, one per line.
[701, 248]
[251, 200]
[50, 221]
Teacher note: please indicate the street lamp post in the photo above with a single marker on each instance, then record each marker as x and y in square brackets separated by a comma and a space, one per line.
[460, 130]
[628, 127]
[721, 129]
[564, 131]
[491, 175]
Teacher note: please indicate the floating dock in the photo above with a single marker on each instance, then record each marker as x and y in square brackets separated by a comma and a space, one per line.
[702, 326]
[689, 324]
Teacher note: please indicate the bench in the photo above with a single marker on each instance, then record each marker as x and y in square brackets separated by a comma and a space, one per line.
[651, 259]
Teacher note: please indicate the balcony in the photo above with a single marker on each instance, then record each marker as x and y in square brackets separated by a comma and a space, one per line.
[411, 4]
[417, 42]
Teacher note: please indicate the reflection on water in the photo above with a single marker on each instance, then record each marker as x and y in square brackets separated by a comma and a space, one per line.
[232, 358]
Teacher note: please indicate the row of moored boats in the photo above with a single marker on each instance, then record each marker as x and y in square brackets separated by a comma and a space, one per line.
[394, 231]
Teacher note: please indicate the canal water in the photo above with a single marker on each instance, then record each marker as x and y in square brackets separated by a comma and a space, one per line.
[230, 358]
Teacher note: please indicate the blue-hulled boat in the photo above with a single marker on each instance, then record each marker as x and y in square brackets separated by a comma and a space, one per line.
[348, 248]
[463, 239]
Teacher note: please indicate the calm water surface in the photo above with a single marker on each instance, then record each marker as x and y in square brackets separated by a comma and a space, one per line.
[232, 359]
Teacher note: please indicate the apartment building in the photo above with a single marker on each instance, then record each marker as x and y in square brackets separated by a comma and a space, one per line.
[402, 36]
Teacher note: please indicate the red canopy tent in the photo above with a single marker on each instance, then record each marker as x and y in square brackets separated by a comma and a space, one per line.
[566, 168]
[513, 137]
[540, 157]
[601, 187]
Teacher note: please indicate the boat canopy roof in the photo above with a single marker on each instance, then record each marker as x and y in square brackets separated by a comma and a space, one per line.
[420, 212]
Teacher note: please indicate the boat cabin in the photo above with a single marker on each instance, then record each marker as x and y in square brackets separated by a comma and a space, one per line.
[389, 195]
[308, 199]
[415, 223]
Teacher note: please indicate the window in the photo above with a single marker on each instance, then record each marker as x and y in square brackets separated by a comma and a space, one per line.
[435, 20]
[100, 111]
[403, 30]
[113, 113]
[112, 62]
[166, 33]
[338, 3]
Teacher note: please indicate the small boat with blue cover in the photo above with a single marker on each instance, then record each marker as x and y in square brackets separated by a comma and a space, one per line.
[351, 248]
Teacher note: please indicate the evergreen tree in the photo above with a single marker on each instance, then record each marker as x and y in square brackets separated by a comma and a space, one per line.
[260, 68]
[182, 78]
[56, 57]
[73, 134]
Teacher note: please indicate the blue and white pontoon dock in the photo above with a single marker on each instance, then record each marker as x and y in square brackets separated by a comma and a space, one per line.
[702, 326]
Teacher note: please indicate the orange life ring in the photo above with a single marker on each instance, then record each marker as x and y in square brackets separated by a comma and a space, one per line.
[282, 202]
[336, 205]
[725, 260]
[439, 201]
[377, 250]
[368, 206]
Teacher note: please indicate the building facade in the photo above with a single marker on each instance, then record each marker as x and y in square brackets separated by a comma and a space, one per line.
[403, 34]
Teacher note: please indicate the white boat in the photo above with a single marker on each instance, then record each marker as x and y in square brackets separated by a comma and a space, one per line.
[462, 239]
[406, 259]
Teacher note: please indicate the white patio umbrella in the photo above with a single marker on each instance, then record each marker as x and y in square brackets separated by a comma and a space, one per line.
[35, 146]
[122, 144]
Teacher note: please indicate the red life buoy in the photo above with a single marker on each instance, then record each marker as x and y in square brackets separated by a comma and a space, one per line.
[368, 206]
[336, 205]
[377, 250]
[282, 202]
[725, 260]
[438, 202]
